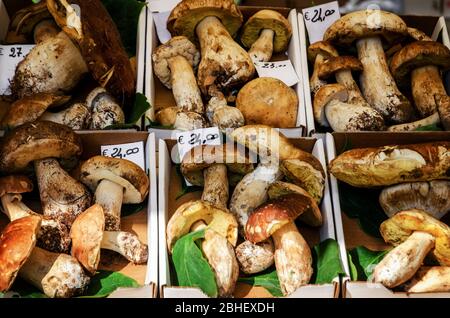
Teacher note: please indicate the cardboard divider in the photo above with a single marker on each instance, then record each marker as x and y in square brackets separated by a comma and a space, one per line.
[169, 186]
[348, 231]
[160, 97]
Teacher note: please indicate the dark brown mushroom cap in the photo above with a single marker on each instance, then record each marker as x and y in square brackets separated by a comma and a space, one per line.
[274, 214]
[338, 64]
[324, 48]
[419, 54]
[188, 13]
[15, 185]
[17, 241]
[267, 19]
[34, 141]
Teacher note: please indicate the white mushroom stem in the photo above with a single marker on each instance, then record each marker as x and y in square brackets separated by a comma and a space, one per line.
[215, 189]
[184, 85]
[378, 85]
[127, 245]
[110, 196]
[14, 208]
[262, 48]
[431, 120]
[220, 114]
[354, 94]
[293, 259]
[430, 280]
[75, 117]
[57, 275]
[315, 82]
[400, 264]
[186, 121]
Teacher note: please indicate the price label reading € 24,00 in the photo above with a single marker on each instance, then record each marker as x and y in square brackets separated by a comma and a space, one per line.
[10, 56]
[319, 18]
[132, 151]
[189, 139]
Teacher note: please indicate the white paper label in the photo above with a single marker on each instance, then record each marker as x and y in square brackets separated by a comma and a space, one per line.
[162, 5]
[133, 152]
[189, 139]
[10, 56]
[160, 20]
[319, 18]
[282, 70]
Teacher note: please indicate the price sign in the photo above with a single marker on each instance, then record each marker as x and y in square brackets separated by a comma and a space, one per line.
[190, 139]
[133, 152]
[10, 56]
[161, 10]
[282, 70]
[319, 18]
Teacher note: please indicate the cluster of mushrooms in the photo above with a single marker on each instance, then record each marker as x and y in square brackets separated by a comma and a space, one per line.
[400, 84]
[415, 196]
[205, 82]
[58, 250]
[288, 183]
[74, 75]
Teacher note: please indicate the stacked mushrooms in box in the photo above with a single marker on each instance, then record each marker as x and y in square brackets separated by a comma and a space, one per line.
[254, 227]
[208, 71]
[74, 75]
[400, 86]
[415, 196]
[58, 249]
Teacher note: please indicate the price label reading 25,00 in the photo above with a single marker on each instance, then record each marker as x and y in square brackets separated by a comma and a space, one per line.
[133, 152]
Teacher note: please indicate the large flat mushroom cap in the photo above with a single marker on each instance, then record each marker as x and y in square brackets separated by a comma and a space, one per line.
[34, 141]
[364, 24]
[337, 64]
[399, 227]
[267, 19]
[323, 48]
[187, 14]
[16, 243]
[15, 185]
[268, 101]
[129, 175]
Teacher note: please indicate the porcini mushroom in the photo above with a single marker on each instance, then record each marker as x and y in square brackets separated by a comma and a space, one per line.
[105, 111]
[377, 84]
[44, 30]
[221, 115]
[443, 105]
[265, 33]
[115, 181]
[434, 279]
[77, 116]
[415, 234]
[318, 53]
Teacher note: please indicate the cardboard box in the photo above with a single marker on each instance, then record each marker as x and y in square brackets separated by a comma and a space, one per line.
[144, 223]
[9, 7]
[169, 186]
[348, 231]
[160, 97]
[435, 27]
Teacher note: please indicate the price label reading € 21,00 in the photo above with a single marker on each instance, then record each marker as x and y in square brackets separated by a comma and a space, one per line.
[132, 151]
[319, 18]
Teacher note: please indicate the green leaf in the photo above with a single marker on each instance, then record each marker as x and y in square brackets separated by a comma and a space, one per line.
[433, 127]
[364, 261]
[268, 280]
[130, 209]
[327, 262]
[106, 282]
[191, 267]
[353, 269]
[140, 107]
[185, 189]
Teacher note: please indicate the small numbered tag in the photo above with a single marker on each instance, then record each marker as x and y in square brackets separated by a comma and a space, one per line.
[189, 139]
[133, 152]
[10, 56]
[282, 70]
[319, 18]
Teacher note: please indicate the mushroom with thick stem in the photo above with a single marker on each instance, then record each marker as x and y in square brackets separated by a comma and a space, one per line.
[44, 30]
[265, 33]
[430, 120]
[115, 181]
[220, 114]
[318, 53]
[77, 116]
[416, 235]
[105, 111]
[377, 84]
[434, 279]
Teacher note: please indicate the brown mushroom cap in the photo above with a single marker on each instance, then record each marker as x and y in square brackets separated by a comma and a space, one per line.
[15, 185]
[201, 157]
[324, 96]
[187, 14]
[34, 141]
[274, 214]
[399, 227]
[17, 241]
[127, 174]
[323, 48]
[267, 19]
[419, 54]
[364, 24]
[337, 64]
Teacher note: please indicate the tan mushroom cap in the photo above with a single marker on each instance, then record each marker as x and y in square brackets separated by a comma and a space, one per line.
[418, 35]
[34, 141]
[123, 172]
[187, 14]
[274, 214]
[222, 222]
[323, 48]
[337, 64]
[267, 19]
[312, 217]
[416, 55]
[399, 227]
[201, 157]
[17, 240]
[15, 185]
[364, 24]
[86, 234]
[167, 116]
[268, 101]
[176, 46]
[30, 108]
[325, 95]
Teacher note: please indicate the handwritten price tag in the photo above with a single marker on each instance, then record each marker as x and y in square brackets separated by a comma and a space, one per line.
[190, 139]
[282, 70]
[10, 56]
[319, 18]
[133, 152]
